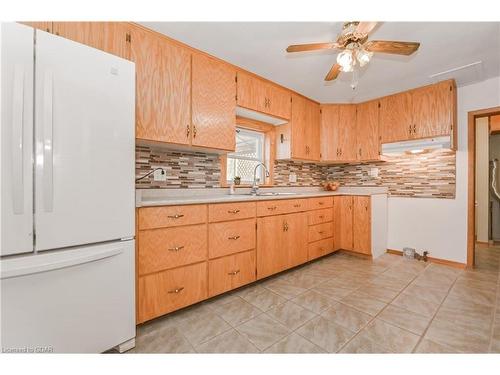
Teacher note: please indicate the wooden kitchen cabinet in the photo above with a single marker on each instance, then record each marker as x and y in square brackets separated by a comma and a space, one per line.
[230, 272]
[213, 104]
[395, 117]
[111, 37]
[362, 225]
[329, 132]
[343, 218]
[495, 124]
[41, 25]
[367, 134]
[305, 129]
[163, 88]
[338, 132]
[279, 101]
[347, 132]
[281, 243]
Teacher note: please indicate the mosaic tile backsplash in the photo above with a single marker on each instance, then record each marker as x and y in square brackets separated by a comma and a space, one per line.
[429, 175]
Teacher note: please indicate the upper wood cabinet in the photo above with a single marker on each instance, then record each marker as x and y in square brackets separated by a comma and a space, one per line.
[163, 88]
[213, 104]
[41, 25]
[259, 95]
[367, 135]
[395, 117]
[338, 132]
[305, 129]
[329, 132]
[111, 37]
[495, 124]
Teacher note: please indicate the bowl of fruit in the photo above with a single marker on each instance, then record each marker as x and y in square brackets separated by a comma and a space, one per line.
[331, 185]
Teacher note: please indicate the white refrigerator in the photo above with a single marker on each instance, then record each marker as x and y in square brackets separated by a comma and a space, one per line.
[67, 195]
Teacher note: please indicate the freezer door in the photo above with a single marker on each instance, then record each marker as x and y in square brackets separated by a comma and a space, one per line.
[17, 54]
[73, 301]
[84, 134]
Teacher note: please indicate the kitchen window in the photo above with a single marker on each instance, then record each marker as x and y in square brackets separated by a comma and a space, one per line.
[248, 153]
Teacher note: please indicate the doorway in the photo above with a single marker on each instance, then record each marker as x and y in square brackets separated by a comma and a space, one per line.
[483, 180]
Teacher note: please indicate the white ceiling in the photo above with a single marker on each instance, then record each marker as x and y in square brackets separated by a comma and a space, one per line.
[260, 48]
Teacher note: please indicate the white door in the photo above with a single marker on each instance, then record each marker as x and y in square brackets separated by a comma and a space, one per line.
[78, 301]
[16, 231]
[85, 141]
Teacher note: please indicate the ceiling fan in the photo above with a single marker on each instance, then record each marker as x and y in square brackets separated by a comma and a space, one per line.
[355, 47]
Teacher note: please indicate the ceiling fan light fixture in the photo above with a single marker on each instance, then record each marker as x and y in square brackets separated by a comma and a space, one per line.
[346, 60]
[363, 56]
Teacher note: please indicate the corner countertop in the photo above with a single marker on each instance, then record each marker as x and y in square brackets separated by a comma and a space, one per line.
[171, 197]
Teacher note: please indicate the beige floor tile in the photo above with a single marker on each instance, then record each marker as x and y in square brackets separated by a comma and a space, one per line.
[332, 291]
[495, 346]
[291, 315]
[397, 273]
[428, 346]
[237, 311]
[294, 343]
[477, 284]
[220, 300]
[228, 342]
[361, 345]
[306, 281]
[314, 301]
[285, 289]
[347, 317]
[483, 297]
[166, 340]
[263, 331]
[430, 294]
[381, 293]
[467, 315]
[346, 281]
[416, 304]
[405, 319]
[450, 334]
[388, 282]
[393, 338]
[202, 328]
[326, 334]
[434, 280]
[364, 303]
[250, 290]
[266, 300]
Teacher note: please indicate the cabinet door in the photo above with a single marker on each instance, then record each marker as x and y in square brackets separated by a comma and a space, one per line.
[299, 127]
[163, 88]
[313, 131]
[343, 209]
[252, 92]
[111, 37]
[367, 131]
[347, 132]
[395, 117]
[329, 132]
[295, 238]
[444, 109]
[213, 104]
[272, 255]
[362, 225]
[41, 25]
[279, 102]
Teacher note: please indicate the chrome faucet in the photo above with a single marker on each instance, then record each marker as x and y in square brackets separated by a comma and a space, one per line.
[255, 185]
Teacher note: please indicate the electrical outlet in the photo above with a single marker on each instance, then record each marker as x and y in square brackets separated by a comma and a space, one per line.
[373, 172]
[159, 175]
[292, 177]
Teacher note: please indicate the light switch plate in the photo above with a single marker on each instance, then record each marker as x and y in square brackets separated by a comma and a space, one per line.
[292, 177]
[159, 175]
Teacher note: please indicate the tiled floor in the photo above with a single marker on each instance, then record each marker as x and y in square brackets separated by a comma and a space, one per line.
[344, 304]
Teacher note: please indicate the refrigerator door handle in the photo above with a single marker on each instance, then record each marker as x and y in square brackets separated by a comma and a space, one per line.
[47, 266]
[48, 146]
[18, 140]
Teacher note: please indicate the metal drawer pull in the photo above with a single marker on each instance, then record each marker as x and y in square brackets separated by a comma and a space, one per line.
[321, 203]
[321, 217]
[272, 208]
[296, 205]
[176, 216]
[177, 290]
[234, 273]
[176, 248]
[233, 211]
[321, 232]
[233, 237]
[285, 227]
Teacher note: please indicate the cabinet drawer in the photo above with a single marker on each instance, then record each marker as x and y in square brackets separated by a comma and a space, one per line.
[278, 207]
[320, 216]
[319, 248]
[321, 202]
[171, 216]
[231, 237]
[170, 290]
[231, 272]
[320, 231]
[231, 211]
[160, 249]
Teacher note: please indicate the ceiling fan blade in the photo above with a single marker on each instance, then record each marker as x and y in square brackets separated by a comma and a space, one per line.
[388, 46]
[311, 47]
[333, 73]
[365, 27]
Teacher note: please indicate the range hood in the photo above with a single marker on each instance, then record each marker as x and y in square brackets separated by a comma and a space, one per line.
[254, 115]
[417, 146]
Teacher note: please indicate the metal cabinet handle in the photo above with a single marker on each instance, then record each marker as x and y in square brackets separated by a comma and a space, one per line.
[194, 131]
[321, 217]
[296, 205]
[414, 129]
[176, 216]
[360, 151]
[233, 237]
[272, 208]
[233, 273]
[233, 211]
[409, 129]
[176, 290]
[285, 227]
[176, 248]
[188, 130]
[321, 203]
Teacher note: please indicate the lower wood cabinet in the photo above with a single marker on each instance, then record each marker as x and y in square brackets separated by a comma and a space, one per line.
[166, 291]
[320, 248]
[343, 211]
[362, 225]
[231, 237]
[230, 272]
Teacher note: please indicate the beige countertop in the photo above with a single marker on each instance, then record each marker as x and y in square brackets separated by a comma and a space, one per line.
[170, 197]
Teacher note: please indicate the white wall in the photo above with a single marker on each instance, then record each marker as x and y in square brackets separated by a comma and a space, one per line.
[440, 225]
[482, 179]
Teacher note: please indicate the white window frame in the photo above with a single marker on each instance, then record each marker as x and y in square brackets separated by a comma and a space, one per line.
[260, 151]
